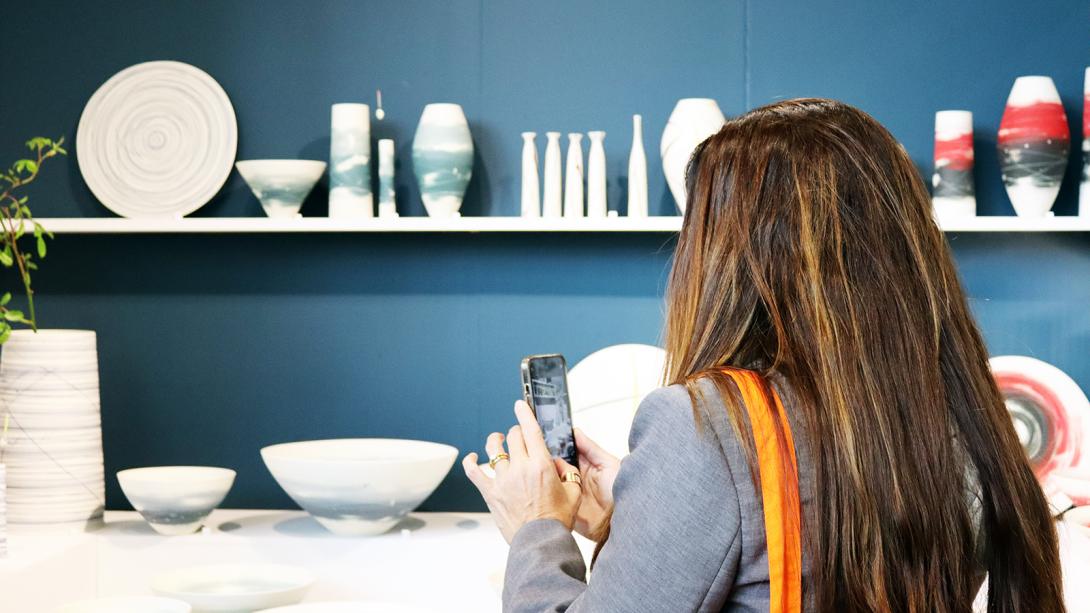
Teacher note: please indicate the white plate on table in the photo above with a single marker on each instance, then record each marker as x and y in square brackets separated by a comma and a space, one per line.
[126, 604]
[235, 587]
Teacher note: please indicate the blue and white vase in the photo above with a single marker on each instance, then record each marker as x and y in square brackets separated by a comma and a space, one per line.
[350, 161]
[442, 158]
[387, 198]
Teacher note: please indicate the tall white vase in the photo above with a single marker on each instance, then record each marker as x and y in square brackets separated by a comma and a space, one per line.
[573, 176]
[551, 205]
[637, 172]
[531, 194]
[596, 175]
[1084, 186]
[953, 196]
[350, 161]
[1033, 144]
[387, 194]
[692, 121]
[443, 158]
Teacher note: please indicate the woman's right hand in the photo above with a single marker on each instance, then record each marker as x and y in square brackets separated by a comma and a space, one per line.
[599, 470]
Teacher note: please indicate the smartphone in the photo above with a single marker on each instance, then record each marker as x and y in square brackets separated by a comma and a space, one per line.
[545, 388]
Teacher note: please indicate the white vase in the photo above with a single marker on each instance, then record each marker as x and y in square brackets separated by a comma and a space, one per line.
[1033, 145]
[953, 196]
[531, 194]
[551, 203]
[692, 121]
[387, 194]
[350, 161]
[596, 175]
[637, 172]
[443, 158]
[1084, 186]
[573, 176]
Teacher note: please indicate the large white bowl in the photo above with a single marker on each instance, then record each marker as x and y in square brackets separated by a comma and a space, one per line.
[175, 499]
[127, 604]
[281, 185]
[359, 486]
[235, 587]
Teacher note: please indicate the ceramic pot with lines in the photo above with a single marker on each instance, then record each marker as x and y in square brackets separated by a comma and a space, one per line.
[954, 196]
[443, 158]
[1033, 145]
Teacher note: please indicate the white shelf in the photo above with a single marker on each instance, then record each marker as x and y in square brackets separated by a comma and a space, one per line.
[249, 225]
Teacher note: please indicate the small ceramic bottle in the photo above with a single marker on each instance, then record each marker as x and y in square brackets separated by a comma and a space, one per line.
[637, 171]
[531, 195]
[551, 206]
[573, 177]
[596, 175]
[387, 199]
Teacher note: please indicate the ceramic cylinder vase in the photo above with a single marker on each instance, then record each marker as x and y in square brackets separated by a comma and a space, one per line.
[954, 196]
[350, 161]
[596, 175]
[573, 176]
[443, 158]
[551, 201]
[387, 196]
[1084, 186]
[637, 171]
[1033, 145]
[531, 194]
[692, 121]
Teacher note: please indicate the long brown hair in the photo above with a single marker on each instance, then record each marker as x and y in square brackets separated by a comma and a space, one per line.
[808, 253]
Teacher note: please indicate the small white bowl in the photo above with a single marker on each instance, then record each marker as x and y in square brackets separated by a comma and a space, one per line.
[281, 185]
[235, 587]
[175, 499]
[359, 486]
[127, 604]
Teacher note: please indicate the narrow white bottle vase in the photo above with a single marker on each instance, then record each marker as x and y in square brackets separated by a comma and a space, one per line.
[573, 177]
[531, 194]
[350, 161]
[1084, 186]
[551, 206]
[596, 175]
[637, 171]
[387, 197]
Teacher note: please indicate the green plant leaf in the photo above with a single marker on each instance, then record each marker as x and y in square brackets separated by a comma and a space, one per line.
[41, 244]
[31, 265]
[13, 315]
[6, 259]
[6, 298]
[5, 332]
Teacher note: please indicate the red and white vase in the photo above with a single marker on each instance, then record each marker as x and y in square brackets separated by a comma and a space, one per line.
[954, 196]
[1084, 187]
[1034, 141]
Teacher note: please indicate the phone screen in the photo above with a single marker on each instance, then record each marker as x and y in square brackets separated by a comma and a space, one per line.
[549, 398]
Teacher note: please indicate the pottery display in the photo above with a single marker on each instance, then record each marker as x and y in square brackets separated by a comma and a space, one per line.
[387, 195]
[442, 158]
[281, 185]
[175, 499]
[127, 604]
[350, 161]
[359, 486]
[692, 121]
[954, 196]
[596, 176]
[573, 176]
[1033, 145]
[1084, 185]
[157, 140]
[637, 171]
[551, 205]
[531, 195]
[53, 456]
[235, 587]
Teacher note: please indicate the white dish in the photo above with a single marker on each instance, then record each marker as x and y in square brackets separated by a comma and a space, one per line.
[359, 486]
[157, 140]
[235, 587]
[281, 185]
[127, 604]
[350, 607]
[175, 499]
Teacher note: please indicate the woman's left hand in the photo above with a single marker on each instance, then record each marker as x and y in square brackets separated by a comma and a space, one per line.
[527, 486]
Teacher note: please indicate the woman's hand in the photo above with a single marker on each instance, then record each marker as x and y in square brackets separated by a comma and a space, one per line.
[527, 486]
[599, 470]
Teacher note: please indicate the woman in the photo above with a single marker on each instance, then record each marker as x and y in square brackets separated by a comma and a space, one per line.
[808, 255]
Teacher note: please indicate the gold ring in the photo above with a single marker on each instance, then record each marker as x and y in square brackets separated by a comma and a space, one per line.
[571, 477]
[496, 459]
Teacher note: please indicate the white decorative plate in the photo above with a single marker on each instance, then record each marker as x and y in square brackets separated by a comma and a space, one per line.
[157, 140]
[235, 587]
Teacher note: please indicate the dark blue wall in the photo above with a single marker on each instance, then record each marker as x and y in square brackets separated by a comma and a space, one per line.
[212, 346]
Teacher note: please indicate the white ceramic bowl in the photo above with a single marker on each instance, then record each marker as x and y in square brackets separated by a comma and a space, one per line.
[175, 499]
[359, 486]
[235, 587]
[281, 185]
[127, 604]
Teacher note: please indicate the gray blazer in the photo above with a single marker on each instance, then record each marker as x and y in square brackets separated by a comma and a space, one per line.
[688, 526]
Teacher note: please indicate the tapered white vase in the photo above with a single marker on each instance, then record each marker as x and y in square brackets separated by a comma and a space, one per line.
[573, 176]
[1033, 144]
[350, 161]
[692, 121]
[551, 203]
[1084, 186]
[637, 171]
[443, 158]
[954, 196]
[531, 194]
[387, 194]
[596, 175]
